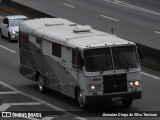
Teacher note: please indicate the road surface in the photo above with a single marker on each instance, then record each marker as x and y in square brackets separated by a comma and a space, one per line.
[17, 93]
[137, 21]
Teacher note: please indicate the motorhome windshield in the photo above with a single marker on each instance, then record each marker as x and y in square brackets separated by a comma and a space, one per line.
[124, 57]
[98, 60]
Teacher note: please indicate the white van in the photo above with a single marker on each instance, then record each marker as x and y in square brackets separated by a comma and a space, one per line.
[10, 26]
[80, 62]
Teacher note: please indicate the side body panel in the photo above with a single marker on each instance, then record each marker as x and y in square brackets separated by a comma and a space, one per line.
[30, 56]
[57, 72]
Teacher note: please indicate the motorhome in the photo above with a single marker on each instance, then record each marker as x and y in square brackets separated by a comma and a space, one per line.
[78, 61]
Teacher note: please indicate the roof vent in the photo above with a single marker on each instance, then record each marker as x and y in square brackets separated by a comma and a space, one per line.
[53, 24]
[81, 28]
[72, 24]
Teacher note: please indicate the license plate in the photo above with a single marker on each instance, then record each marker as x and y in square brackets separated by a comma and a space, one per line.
[116, 99]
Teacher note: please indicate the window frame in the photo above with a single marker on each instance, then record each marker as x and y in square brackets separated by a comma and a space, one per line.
[77, 59]
[23, 38]
[57, 49]
[96, 51]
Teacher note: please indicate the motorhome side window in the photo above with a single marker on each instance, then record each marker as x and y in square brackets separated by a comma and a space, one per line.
[77, 60]
[56, 49]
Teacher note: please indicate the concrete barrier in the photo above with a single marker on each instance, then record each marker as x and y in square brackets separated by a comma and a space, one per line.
[151, 56]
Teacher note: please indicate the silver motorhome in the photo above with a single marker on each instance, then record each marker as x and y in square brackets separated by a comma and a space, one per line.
[80, 62]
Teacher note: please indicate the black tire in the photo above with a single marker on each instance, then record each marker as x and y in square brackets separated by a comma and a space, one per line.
[41, 86]
[127, 103]
[9, 37]
[83, 105]
[20, 70]
[2, 36]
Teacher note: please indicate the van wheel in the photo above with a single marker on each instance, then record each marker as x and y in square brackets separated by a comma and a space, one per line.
[20, 70]
[2, 36]
[41, 86]
[80, 100]
[9, 37]
[127, 103]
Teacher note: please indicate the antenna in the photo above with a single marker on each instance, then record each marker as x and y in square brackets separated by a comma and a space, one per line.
[112, 30]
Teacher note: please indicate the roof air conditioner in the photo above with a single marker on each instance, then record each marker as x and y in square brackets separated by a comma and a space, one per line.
[80, 28]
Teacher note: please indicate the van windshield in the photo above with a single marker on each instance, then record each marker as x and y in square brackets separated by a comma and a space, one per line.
[98, 60]
[16, 22]
[104, 59]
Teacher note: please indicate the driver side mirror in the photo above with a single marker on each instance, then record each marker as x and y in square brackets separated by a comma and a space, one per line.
[140, 54]
[81, 64]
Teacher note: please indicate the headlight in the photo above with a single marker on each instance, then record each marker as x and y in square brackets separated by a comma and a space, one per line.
[137, 83]
[94, 87]
[13, 32]
[131, 83]
[99, 87]
[134, 83]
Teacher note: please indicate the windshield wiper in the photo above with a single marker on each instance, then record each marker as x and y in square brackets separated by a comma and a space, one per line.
[102, 70]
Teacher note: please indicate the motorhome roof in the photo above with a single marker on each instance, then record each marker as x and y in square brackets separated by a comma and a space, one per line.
[67, 32]
[16, 16]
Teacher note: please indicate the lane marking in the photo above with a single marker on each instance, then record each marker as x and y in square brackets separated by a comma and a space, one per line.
[30, 118]
[1, 46]
[5, 106]
[149, 75]
[80, 118]
[32, 97]
[47, 118]
[109, 18]
[44, 118]
[118, 2]
[157, 32]
[69, 5]
[8, 92]
[42, 101]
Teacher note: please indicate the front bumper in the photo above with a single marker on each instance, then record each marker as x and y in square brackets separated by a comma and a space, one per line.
[14, 37]
[111, 97]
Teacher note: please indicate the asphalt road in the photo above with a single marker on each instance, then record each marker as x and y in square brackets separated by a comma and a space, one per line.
[135, 20]
[25, 91]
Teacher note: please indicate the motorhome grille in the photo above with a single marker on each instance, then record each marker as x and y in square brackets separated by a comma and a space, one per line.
[115, 83]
